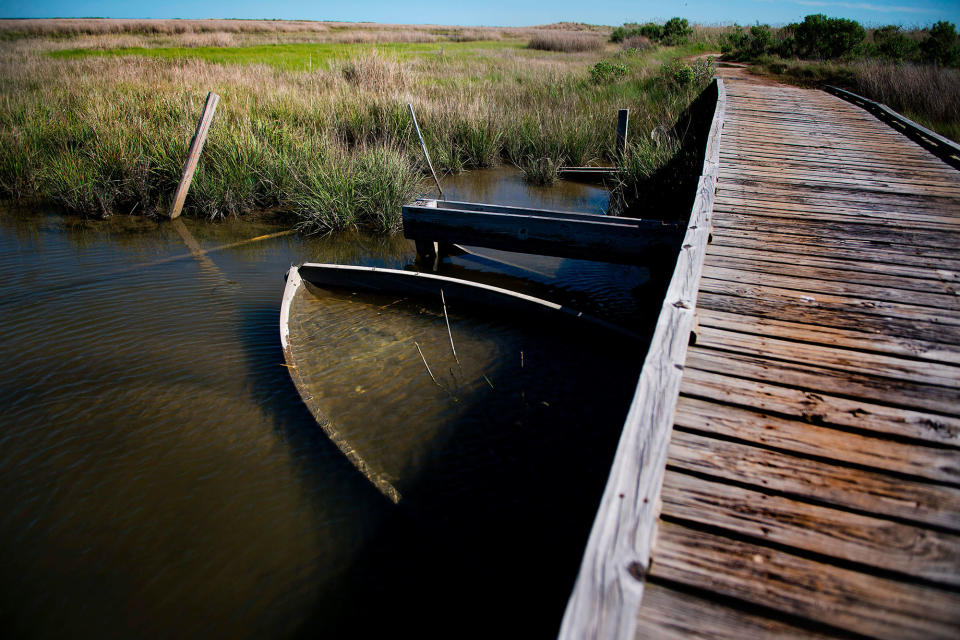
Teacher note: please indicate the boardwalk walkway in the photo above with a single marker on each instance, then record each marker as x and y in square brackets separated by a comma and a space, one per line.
[812, 485]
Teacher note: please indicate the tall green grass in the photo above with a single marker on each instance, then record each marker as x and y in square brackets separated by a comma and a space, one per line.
[108, 134]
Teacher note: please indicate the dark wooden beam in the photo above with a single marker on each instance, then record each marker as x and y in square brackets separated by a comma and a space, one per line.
[554, 233]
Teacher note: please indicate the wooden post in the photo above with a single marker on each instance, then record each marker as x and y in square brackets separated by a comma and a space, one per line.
[622, 118]
[423, 146]
[196, 146]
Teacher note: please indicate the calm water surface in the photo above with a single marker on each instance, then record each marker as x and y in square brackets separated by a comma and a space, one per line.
[159, 476]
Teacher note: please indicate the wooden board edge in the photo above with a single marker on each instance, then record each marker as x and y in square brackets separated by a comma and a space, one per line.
[609, 587]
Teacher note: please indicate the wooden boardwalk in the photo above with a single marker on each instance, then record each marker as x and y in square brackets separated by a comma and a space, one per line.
[812, 485]
[806, 483]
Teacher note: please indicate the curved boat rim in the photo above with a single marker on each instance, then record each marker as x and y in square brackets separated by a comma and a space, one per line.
[294, 282]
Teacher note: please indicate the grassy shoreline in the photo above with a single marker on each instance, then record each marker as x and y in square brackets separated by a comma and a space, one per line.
[106, 131]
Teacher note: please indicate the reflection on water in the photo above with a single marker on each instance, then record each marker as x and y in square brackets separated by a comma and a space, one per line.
[505, 186]
[160, 476]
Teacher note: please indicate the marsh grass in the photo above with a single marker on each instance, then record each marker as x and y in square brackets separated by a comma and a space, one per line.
[566, 41]
[540, 171]
[108, 133]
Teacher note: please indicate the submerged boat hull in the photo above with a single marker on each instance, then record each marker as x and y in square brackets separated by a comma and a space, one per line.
[394, 329]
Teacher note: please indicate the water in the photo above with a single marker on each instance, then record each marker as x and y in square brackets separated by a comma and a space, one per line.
[159, 476]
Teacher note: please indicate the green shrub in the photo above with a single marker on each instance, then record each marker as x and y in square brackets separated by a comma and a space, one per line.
[743, 45]
[682, 74]
[826, 38]
[890, 43]
[606, 71]
[941, 46]
[676, 31]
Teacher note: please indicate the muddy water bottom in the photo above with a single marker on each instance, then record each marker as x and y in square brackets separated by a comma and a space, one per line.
[159, 476]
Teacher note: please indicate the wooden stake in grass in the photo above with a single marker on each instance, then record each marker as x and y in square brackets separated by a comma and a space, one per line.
[623, 116]
[426, 154]
[193, 156]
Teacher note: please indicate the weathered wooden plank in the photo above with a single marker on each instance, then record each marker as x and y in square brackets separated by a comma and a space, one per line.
[939, 240]
[937, 267]
[947, 199]
[193, 154]
[882, 289]
[668, 614]
[865, 491]
[936, 176]
[837, 316]
[750, 196]
[887, 248]
[821, 407]
[813, 299]
[609, 585]
[820, 379]
[746, 254]
[797, 436]
[869, 180]
[623, 118]
[946, 149]
[791, 211]
[831, 336]
[874, 364]
[836, 596]
[804, 268]
[850, 537]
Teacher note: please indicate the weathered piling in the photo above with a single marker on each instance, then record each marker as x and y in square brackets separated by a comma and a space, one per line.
[193, 155]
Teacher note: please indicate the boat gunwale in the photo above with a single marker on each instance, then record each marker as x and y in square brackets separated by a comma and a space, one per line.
[298, 275]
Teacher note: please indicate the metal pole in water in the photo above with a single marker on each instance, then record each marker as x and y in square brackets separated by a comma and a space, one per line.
[193, 156]
[423, 146]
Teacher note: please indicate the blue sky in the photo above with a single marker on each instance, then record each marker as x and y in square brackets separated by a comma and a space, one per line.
[500, 12]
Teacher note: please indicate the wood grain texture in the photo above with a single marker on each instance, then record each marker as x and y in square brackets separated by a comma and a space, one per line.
[867, 540]
[814, 468]
[794, 435]
[842, 598]
[609, 586]
[193, 155]
[821, 407]
[668, 614]
[828, 483]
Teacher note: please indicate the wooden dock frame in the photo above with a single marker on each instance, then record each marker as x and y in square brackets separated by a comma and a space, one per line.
[438, 224]
[609, 586]
[809, 487]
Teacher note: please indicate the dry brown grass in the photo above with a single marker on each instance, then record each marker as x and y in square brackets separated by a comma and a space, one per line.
[930, 89]
[641, 43]
[95, 26]
[374, 72]
[306, 30]
[566, 41]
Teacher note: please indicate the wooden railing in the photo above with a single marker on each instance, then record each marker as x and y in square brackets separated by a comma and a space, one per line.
[946, 150]
[609, 587]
